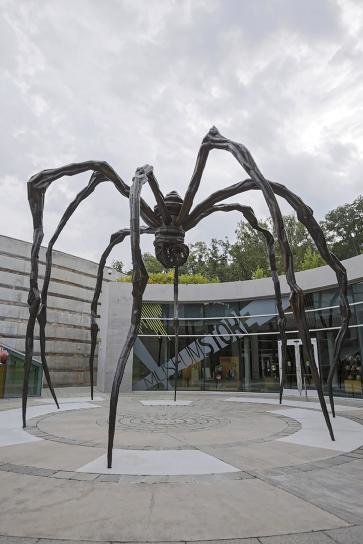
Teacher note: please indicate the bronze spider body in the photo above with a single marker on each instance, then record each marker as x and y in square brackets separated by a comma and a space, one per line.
[171, 218]
[170, 249]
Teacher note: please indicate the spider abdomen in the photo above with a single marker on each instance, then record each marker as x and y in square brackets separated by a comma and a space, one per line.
[170, 249]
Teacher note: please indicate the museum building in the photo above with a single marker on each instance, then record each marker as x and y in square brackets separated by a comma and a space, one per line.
[229, 339]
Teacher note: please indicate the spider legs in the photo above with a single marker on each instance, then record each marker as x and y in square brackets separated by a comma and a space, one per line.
[139, 281]
[29, 344]
[37, 187]
[96, 178]
[306, 217]
[281, 322]
[42, 321]
[115, 239]
[249, 215]
[214, 140]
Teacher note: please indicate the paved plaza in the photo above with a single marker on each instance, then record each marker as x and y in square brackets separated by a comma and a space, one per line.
[214, 467]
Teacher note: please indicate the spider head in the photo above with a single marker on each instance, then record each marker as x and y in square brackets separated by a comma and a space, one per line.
[170, 249]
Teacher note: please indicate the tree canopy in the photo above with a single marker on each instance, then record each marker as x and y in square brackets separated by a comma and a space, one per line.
[168, 277]
[343, 228]
[246, 257]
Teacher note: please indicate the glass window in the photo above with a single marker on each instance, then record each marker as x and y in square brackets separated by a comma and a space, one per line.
[219, 349]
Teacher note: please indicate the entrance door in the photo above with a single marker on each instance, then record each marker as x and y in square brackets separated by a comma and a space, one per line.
[298, 372]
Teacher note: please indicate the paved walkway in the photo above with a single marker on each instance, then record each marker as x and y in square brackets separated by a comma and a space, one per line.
[219, 468]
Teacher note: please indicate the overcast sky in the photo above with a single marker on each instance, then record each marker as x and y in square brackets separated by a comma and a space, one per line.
[134, 82]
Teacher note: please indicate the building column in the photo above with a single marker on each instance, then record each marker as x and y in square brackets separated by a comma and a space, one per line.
[331, 340]
[255, 360]
[247, 361]
[114, 327]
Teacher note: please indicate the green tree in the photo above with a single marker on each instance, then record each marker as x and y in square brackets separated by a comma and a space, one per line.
[210, 260]
[249, 252]
[246, 258]
[343, 228]
[197, 260]
[168, 278]
[259, 273]
[118, 266]
[152, 265]
[300, 242]
[312, 259]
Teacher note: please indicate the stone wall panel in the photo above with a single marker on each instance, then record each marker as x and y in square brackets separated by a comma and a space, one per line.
[70, 294]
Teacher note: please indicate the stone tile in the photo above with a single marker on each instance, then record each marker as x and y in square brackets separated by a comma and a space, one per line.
[33, 471]
[201, 509]
[307, 467]
[354, 469]
[108, 478]
[8, 467]
[233, 541]
[338, 460]
[63, 474]
[36, 471]
[17, 540]
[332, 490]
[303, 538]
[356, 453]
[55, 541]
[347, 535]
[83, 476]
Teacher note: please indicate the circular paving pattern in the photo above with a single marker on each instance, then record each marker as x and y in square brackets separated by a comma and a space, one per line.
[160, 423]
[161, 428]
[231, 454]
[83, 500]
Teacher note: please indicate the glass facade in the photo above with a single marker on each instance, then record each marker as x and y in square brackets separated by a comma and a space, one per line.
[235, 346]
[12, 375]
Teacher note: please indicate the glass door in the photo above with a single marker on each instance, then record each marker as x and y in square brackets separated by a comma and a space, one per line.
[298, 371]
[306, 375]
[293, 373]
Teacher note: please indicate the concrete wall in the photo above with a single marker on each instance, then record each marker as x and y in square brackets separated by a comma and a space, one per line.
[70, 294]
[114, 326]
[116, 305]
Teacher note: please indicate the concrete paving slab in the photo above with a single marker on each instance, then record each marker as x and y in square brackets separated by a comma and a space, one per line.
[161, 462]
[161, 402]
[306, 538]
[317, 489]
[11, 428]
[348, 434]
[262, 457]
[63, 475]
[64, 400]
[154, 513]
[49, 455]
[234, 541]
[328, 489]
[354, 469]
[347, 535]
[17, 540]
[286, 402]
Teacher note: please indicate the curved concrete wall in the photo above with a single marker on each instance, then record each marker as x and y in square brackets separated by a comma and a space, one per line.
[116, 307]
[309, 280]
[70, 294]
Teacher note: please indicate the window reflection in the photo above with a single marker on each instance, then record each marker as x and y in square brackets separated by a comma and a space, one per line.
[233, 346]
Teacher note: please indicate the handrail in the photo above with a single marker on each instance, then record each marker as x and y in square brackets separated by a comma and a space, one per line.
[19, 353]
[236, 316]
[207, 335]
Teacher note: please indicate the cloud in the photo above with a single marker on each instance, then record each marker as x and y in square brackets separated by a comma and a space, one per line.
[135, 82]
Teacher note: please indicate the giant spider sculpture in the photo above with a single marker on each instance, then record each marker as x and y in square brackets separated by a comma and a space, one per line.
[170, 219]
